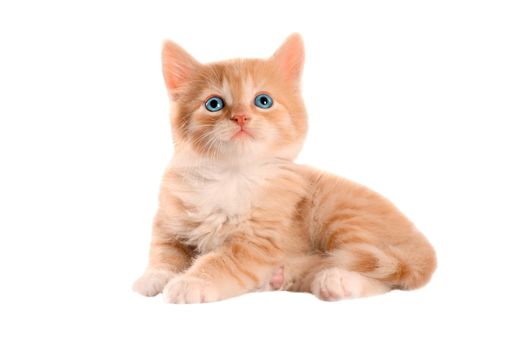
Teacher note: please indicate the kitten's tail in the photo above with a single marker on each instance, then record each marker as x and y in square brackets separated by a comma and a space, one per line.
[395, 266]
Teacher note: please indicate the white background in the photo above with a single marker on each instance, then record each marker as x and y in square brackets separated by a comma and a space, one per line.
[425, 102]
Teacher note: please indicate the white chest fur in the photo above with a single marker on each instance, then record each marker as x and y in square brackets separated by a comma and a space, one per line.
[228, 189]
[220, 195]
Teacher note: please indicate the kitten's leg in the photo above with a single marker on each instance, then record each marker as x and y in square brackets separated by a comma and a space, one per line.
[356, 268]
[235, 269]
[337, 283]
[333, 276]
[367, 246]
[167, 258]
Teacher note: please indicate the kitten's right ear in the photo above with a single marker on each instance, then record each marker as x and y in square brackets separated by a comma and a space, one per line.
[178, 65]
[290, 57]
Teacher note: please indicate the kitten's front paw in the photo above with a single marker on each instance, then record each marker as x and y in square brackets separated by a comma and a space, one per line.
[152, 281]
[189, 290]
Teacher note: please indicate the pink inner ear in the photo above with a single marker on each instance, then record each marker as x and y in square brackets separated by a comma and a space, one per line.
[178, 65]
[290, 57]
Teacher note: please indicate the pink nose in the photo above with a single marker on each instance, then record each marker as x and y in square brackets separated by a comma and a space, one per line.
[240, 119]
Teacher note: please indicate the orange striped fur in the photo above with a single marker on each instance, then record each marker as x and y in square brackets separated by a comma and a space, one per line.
[236, 214]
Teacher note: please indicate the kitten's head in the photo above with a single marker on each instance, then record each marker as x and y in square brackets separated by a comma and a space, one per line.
[238, 108]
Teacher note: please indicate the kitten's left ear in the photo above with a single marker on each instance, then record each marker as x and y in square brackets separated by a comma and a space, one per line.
[178, 66]
[290, 57]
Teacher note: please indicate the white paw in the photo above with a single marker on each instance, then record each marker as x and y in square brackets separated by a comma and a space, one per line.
[152, 282]
[189, 290]
[337, 284]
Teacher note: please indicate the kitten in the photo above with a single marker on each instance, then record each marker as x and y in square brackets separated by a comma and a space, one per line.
[236, 214]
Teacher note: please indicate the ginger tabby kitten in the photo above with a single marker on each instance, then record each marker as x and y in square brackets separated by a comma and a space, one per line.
[237, 215]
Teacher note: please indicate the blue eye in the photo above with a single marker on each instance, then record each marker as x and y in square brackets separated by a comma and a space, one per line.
[263, 101]
[214, 104]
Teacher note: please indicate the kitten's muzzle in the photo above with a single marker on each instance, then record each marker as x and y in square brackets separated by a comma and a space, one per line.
[240, 119]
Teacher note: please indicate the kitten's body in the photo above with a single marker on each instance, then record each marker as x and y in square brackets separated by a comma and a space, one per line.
[234, 208]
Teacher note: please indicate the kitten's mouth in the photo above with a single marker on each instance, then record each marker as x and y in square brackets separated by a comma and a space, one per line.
[242, 133]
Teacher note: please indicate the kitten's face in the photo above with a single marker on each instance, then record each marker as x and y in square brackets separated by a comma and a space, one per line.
[239, 108]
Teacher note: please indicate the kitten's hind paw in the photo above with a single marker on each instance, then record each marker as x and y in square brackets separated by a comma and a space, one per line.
[337, 284]
[152, 282]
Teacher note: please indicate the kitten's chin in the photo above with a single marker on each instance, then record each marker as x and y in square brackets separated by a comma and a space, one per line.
[242, 145]
[246, 146]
